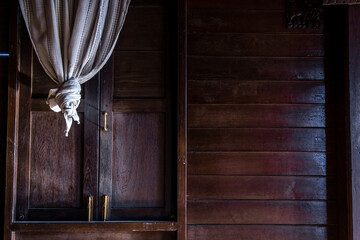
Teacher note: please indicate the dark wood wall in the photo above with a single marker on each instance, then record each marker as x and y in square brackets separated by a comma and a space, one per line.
[4, 49]
[261, 125]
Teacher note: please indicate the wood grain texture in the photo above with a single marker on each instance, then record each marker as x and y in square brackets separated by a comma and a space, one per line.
[139, 74]
[143, 29]
[138, 160]
[41, 83]
[56, 163]
[244, 5]
[272, 45]
[308, 115]
[249, 91]
[223, 232]
[262, 139]
[3, 111]
[99, 236]
[239, 21]
[239, 68]
[249, 187]
[262, 163]
[261, 212]
[352, 111]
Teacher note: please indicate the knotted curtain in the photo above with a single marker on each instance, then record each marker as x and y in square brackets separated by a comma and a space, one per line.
[73, 39]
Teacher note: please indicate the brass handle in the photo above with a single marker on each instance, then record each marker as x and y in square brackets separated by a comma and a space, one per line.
[90, 208]
[105, 122]
[105, 207]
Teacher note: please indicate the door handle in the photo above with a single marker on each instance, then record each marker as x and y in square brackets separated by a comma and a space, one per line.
[90, 207]
[105, 207]
[105, 122]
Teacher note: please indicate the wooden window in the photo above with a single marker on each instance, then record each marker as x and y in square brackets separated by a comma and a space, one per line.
[134, 162]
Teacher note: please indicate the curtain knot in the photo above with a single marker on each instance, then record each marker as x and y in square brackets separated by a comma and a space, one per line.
[66, 98]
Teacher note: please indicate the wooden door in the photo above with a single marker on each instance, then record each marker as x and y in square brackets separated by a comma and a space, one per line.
[134, 160]
[55, 173]
[138, 152]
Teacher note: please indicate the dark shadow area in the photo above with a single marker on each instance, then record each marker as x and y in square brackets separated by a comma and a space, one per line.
[335, 39]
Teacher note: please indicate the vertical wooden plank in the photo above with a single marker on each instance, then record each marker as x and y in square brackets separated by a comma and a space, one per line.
[91, 141]
[352, 93]
[24, 124]
[106, 137]
[182, 120]
[12, 112]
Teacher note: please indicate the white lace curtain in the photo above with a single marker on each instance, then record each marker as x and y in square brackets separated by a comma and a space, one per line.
[73, 39]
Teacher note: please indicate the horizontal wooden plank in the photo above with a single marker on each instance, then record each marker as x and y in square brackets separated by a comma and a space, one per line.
[149, 105]
[241, 68]
[264, 163]
[260, 187]
[272, 45]
[261, 212]
[231, 115]
[131, 89]
[231, 232]
[98, 236]
[144, 29]
[231, 4]
[262, 139]
[240, 21]
[234, 91]
[94, 227]
[135, 69]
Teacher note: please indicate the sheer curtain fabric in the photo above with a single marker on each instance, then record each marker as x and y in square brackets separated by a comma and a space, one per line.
[73, 39]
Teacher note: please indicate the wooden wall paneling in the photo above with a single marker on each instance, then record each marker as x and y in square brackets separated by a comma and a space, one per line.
[256, 44]
[263, 163]
[262, 187]
[252, 115]
[262, 212]
[262, 139]
[232, 20]
[255, 68]
[260, 91]
[230, 232]
[257, 92]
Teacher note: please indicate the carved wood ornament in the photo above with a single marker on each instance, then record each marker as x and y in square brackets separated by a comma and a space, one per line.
[303, 13]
